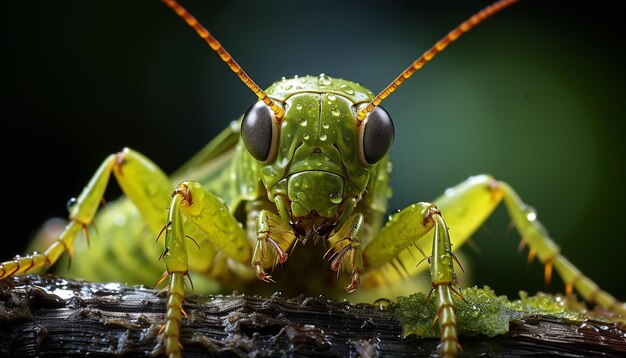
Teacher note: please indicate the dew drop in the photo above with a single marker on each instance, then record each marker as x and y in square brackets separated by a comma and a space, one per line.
[325, 125]
[383, 304]
[305, 136]
[70, 203]
[531, 214]
[347, 89]
[324, 81]
[323, 137]
[335, 112]
[335, 198]
[332, 97]
[299, 107]
[302, 121]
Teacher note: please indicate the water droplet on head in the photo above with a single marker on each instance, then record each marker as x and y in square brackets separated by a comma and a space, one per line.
[335, 112]
[305, 136]
[347, 89]
[323, 137]
[335, 198]
[332, 97]
[299, 107]
[324, 81]
[302, 122]
[325, 125]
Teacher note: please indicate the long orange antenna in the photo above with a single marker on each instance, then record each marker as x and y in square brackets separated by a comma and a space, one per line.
[433, 51]
[225, 56]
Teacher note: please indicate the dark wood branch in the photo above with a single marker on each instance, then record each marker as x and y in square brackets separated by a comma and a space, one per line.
[49, 316]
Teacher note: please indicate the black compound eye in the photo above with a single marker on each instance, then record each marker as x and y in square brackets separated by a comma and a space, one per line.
[259, 132]
[375, 136]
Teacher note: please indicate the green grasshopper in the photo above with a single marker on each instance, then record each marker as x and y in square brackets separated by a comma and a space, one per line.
[307, 163]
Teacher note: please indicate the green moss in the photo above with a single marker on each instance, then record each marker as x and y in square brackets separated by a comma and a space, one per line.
[546, 304]
[485, 313]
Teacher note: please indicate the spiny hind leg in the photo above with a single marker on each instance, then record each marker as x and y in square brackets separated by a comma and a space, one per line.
[470, 203]
[212, 217]
[412, 224]
[140, 179]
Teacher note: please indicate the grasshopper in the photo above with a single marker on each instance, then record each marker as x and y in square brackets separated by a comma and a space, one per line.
[306, 163]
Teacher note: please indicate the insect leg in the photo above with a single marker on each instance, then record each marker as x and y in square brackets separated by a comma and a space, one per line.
[470, 203]
[142, 181]
[272, 235]
[345, 246]
[211, 215]
[408, 226]
[536, 237]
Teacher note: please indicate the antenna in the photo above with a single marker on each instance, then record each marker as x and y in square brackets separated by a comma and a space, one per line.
[432, 52]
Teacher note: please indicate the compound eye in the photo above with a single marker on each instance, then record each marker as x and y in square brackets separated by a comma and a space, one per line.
[259, 132]
[375, 136]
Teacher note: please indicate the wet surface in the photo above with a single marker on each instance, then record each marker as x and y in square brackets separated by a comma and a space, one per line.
[57, 317]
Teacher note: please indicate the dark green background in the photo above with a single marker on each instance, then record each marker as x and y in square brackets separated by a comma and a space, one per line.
[533, 96]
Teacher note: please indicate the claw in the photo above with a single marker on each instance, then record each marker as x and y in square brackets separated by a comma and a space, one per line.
[261, 274]
[266, 278]
[337, 258]
[355, 283]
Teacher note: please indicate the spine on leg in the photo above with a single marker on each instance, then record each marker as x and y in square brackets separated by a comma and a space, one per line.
[536, 237]
[81, 214]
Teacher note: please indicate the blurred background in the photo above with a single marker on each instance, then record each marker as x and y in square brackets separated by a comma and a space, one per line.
[534, 96]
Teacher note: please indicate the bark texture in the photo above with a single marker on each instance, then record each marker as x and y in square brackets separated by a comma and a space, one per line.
[49, 316]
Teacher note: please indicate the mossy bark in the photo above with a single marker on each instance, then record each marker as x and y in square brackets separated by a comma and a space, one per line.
[50, 316]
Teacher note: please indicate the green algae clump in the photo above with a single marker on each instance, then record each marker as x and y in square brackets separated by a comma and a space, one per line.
[485, 313]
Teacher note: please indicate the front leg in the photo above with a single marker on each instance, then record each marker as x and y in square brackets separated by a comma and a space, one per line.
[274, 235]
[210, 215]
[345, 246]
[402, 231]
